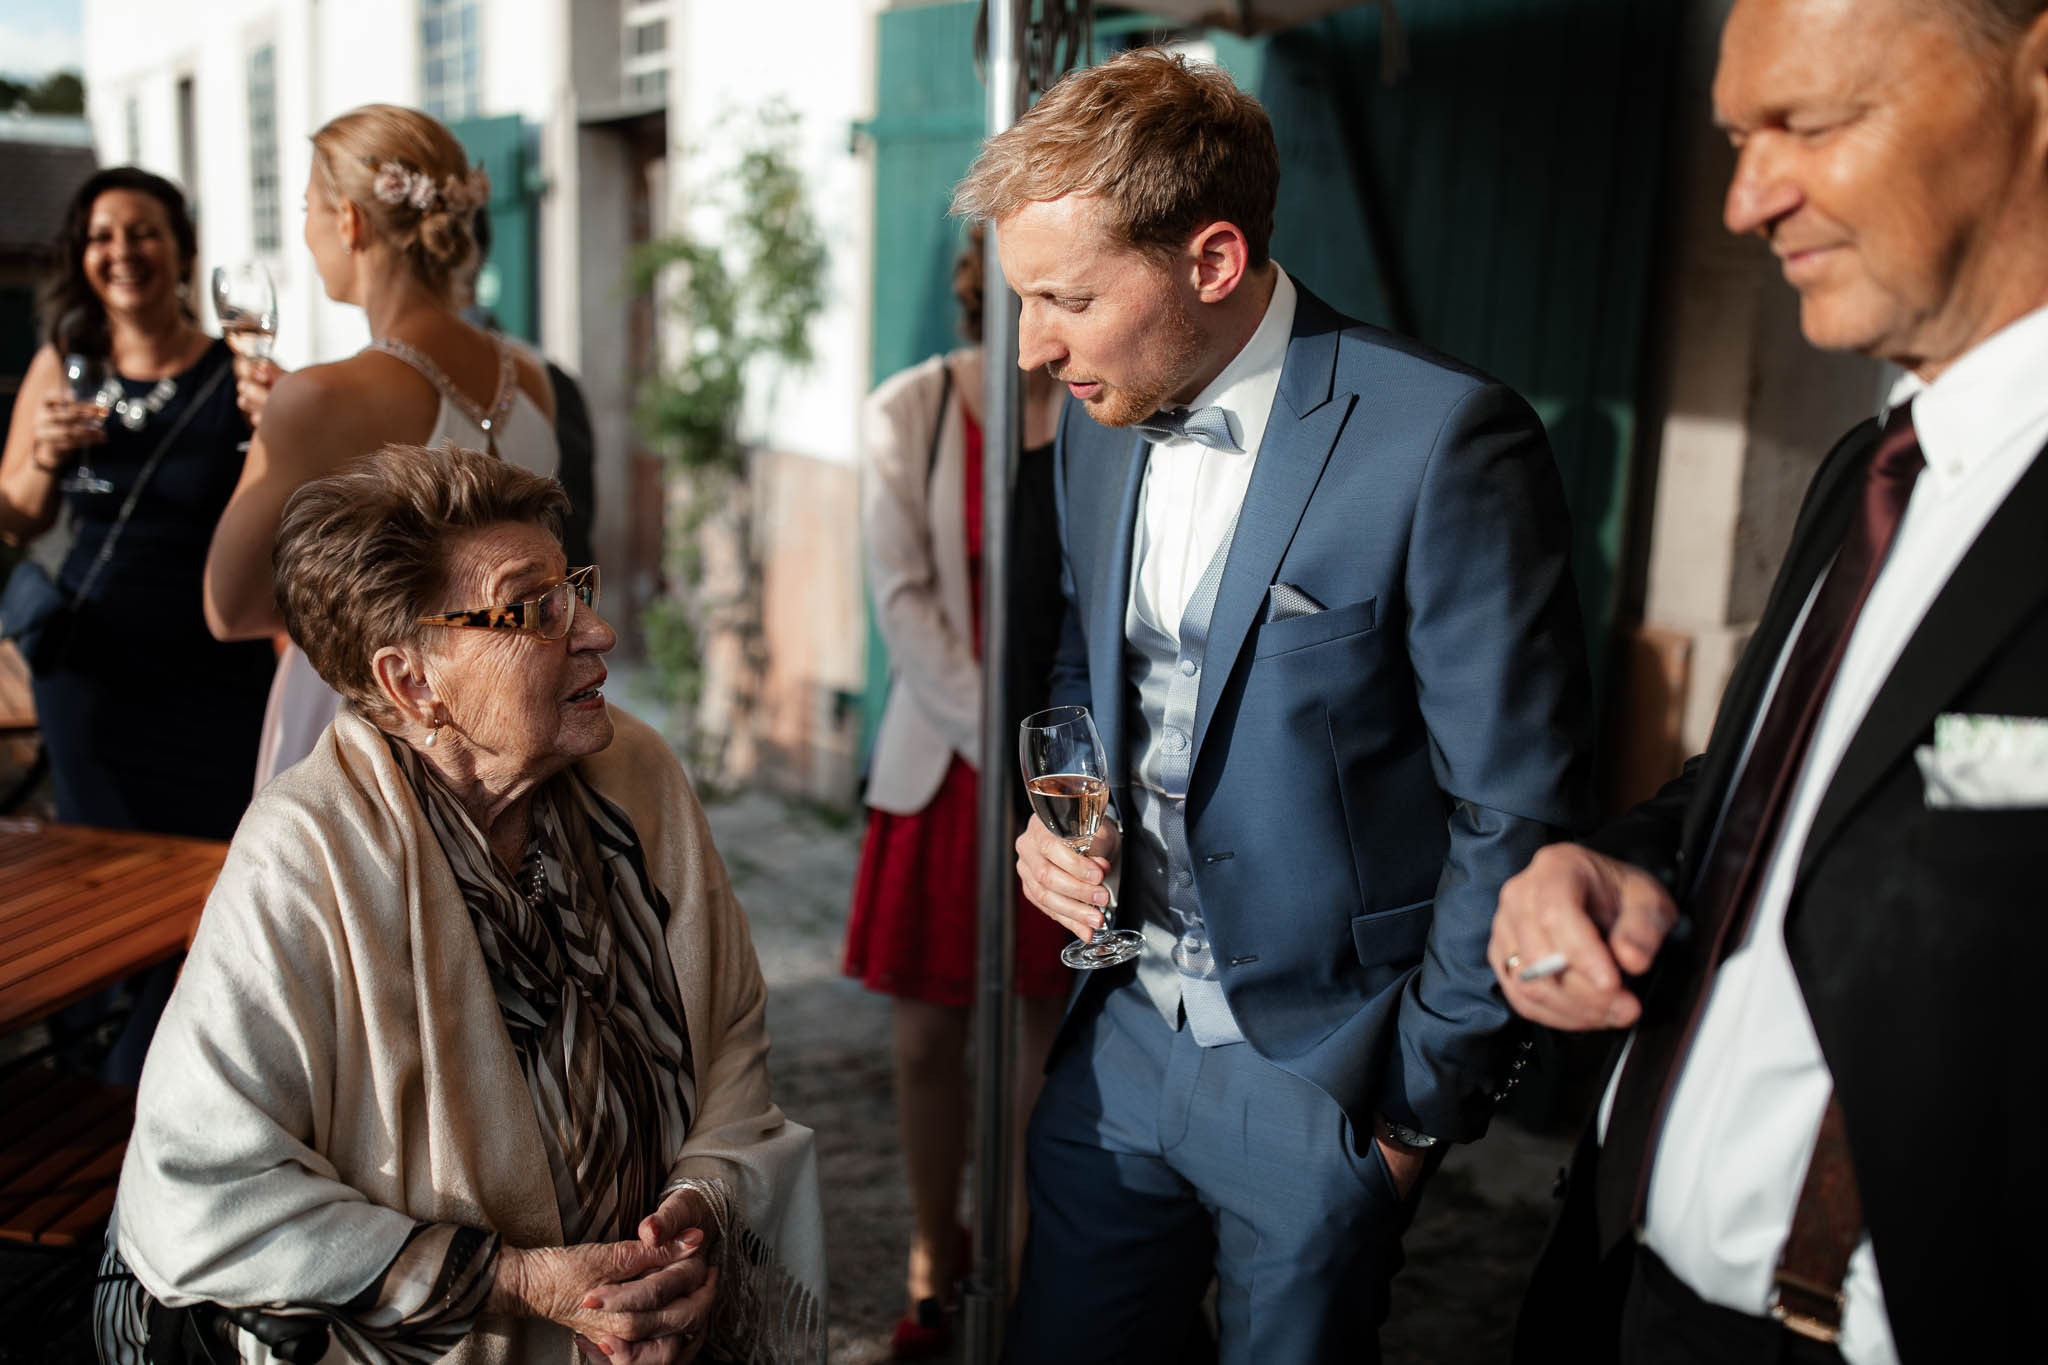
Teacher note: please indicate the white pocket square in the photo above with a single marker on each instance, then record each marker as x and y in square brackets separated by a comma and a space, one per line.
[1985, 762]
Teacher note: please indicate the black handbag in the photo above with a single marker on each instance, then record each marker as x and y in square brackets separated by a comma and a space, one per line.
[34, 611]
[29, 605]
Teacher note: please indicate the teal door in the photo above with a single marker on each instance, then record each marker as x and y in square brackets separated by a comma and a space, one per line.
[507, 283]
[928, 123]
[1499, 202]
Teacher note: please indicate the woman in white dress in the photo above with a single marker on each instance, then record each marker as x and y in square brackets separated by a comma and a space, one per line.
[389, 212]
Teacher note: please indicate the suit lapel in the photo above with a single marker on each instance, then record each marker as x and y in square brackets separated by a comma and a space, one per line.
[1308, 414]
[1997, 584]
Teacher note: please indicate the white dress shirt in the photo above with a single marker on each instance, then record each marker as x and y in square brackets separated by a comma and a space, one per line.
[1192, 493]
[1748, 1102]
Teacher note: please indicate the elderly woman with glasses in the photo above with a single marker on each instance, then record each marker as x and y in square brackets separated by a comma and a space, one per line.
[468, 1057]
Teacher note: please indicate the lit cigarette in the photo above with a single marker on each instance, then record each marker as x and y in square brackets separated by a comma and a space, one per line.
[1548, 965]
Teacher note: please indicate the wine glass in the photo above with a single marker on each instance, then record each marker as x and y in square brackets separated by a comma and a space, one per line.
[245, 301]
[1067, 778]
[87, 376]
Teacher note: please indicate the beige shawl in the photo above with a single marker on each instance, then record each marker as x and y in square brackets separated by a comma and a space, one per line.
[332, 1066]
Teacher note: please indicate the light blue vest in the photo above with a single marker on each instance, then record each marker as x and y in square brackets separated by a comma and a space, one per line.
[1158, 892]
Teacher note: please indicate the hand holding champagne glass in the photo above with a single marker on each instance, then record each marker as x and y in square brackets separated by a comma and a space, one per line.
[1067, 778]
[245, 301]
[88, 380]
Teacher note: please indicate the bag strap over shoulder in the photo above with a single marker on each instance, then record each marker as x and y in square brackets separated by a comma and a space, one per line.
[100, 561]
[931, 458]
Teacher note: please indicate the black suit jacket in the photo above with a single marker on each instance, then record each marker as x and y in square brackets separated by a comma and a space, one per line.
[1919, 938]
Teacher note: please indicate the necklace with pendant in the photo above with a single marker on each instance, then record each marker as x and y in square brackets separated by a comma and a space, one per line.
[136, 412]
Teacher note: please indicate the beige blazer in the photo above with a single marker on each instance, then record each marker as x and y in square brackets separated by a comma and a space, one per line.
[916, 547]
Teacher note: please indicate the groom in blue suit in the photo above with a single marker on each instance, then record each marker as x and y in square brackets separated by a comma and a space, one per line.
[1321, 611]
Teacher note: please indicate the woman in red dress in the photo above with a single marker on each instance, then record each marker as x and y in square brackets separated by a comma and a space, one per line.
[912, 931]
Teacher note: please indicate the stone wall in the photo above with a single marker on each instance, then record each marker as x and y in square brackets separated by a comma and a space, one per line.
[1743, 409]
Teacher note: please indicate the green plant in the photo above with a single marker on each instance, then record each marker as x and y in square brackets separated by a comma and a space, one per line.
[738, 297]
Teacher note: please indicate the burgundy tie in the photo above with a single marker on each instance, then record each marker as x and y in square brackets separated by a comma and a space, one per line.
[1726, 892]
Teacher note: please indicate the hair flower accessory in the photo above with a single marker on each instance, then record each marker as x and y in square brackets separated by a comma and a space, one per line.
[395, 183]
[392, 184]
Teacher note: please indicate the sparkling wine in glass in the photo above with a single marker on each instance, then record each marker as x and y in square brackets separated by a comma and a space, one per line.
[245, 301]
[87, 377]
[1067, 778]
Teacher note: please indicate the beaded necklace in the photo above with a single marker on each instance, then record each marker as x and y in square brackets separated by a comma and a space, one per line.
[135, 412]
[535, 874]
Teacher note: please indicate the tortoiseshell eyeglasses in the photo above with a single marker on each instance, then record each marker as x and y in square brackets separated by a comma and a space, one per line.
[548, 615]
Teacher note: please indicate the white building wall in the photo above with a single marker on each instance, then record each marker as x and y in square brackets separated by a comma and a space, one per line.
[332, 55]
[817, 56]
[335, 54]
[557, 64]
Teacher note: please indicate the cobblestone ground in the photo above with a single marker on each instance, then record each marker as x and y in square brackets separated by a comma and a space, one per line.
[1477, 1232]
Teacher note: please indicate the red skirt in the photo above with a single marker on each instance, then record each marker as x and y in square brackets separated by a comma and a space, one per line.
[912, 931]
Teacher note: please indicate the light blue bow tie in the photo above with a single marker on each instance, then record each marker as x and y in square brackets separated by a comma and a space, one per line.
[1203, 426]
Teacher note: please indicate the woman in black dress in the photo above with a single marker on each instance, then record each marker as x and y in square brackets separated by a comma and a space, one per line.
[150, 723]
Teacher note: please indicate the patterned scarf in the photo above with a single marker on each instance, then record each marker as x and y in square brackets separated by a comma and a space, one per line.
[587, 993]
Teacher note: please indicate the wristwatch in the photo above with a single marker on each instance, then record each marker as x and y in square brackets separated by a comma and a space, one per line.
[1403, 1136]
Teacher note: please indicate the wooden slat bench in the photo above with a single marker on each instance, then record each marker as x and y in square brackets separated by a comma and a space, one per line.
[80, 909]
[61, 1144]
[21, 751]
[17, 697]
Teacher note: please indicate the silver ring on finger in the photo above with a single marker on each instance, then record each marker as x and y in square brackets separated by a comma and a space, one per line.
[1512, 965]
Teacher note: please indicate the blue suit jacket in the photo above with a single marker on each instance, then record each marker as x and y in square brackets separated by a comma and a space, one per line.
[1365, 777]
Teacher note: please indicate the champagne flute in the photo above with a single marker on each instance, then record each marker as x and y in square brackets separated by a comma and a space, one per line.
[245, 301]
[87, 377]
[1067, 778]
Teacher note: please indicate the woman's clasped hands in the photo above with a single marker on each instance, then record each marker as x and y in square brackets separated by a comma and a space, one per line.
[643, 1302]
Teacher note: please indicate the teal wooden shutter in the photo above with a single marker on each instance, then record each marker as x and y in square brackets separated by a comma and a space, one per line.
[927, 127]
[1499, 202]
[507, 283]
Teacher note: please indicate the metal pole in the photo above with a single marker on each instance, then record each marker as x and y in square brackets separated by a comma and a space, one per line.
[987, 1294]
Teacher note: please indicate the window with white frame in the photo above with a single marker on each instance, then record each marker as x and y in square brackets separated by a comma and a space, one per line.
[644, 52]
[266, 232]
[449, 82]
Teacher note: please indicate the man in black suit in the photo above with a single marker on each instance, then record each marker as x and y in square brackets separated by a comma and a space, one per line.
[1827, 931]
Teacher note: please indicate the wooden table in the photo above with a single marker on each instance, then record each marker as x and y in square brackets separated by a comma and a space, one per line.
[81, 909]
